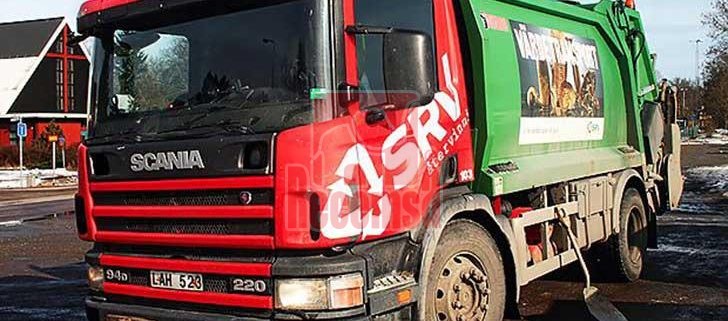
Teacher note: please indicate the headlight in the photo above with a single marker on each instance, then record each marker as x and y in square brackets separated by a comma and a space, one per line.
[95, 278]
[338, 292]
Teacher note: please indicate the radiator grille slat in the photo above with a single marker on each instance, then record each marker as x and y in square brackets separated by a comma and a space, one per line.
[186, 198]
[186, 226]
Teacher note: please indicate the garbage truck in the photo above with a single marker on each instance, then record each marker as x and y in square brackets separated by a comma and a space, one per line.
[365, 159]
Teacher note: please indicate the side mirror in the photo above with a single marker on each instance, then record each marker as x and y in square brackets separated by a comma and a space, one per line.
[409, 68]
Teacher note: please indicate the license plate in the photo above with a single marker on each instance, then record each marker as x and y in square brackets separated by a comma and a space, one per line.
[176, 281]
[113, 317]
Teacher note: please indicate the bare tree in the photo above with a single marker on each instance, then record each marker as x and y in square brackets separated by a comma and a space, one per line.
[715, 72]
[689, 96]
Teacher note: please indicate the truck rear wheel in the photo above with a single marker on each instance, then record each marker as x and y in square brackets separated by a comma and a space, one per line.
[624, 255]
[466, 279]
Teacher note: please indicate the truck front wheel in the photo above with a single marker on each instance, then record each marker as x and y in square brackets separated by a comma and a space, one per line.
[624, 254]
[466, 279]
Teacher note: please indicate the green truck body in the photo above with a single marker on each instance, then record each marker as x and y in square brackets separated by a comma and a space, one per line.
[627, 80]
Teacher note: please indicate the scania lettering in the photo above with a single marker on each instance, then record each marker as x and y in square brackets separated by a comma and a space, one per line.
[365, 159]
[167, 161]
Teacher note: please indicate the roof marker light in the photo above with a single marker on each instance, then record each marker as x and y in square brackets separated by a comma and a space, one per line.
[94, 6]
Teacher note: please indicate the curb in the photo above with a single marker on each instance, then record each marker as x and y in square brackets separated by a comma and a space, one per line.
[31, 201]
[15, 223]
[40, 189]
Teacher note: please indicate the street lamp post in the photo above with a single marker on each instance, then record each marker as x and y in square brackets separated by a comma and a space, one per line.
[684, 100]
[697, 60]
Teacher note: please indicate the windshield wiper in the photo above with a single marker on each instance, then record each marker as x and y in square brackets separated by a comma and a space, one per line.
[128, 136]
[228, 126]
[208, 111]
[198, 122]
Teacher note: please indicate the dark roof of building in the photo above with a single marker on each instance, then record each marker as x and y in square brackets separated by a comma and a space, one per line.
[26, 38]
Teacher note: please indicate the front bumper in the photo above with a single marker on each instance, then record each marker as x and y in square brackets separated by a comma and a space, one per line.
[97, 311]
[381, 302]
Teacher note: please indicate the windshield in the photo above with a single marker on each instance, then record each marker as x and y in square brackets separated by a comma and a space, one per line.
[245, 72]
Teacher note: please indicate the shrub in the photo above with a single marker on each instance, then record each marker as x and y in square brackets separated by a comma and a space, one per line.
[9, 156]
[72, 156]
[38, 154]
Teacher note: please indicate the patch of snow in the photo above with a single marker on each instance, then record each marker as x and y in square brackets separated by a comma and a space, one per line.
[33, 178]
[707, 141]
[690, 250]
[704, 187]
[714, 178]
[720, 137]
[52, 312]
[695, 219]
[11, 223]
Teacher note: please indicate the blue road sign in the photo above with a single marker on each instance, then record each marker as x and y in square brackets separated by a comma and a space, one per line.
[22, 130]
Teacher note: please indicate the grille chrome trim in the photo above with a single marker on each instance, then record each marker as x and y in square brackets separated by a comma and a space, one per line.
[186, 212]
[190, 254]
[227, 197]
[226, 268]
[188, 240]
[186, 226]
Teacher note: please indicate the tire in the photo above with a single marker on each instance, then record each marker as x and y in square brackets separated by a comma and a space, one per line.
[623, 257]
[466, 276]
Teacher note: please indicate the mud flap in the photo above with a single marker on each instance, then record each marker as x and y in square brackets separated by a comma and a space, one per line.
[673, 169]
[599, 306]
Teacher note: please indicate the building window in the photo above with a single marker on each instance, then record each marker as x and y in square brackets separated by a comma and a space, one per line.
[71, 85]
[59, 44]
[59, 84]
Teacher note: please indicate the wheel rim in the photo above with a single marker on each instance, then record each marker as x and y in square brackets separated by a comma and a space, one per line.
[462, 289]
[636, 236]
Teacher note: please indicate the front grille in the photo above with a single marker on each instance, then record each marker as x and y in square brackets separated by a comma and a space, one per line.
[195, 254]
[186, 198]
[212, 283]
[187, 226]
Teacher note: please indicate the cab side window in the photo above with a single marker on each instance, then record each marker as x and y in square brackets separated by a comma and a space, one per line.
[414, 15]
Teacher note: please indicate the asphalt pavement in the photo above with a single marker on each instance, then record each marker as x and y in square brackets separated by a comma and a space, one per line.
[686, 278]
[17, 207]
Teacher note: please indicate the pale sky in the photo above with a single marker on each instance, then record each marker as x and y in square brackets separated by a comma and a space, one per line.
[671, 26]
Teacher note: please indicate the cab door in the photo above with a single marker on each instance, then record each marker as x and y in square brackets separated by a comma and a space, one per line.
[390, 159]
[407, 136]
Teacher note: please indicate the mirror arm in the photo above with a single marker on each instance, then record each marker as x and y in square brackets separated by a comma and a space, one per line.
[348, 93]
[75, 39]
[368, 30]
[375, 115]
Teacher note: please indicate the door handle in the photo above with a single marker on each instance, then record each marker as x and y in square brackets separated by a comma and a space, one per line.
[375, 115]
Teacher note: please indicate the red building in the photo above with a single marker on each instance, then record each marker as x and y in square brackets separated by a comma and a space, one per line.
[42, 79]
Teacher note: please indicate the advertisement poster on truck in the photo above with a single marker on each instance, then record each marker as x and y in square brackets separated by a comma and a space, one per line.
[562, 92]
